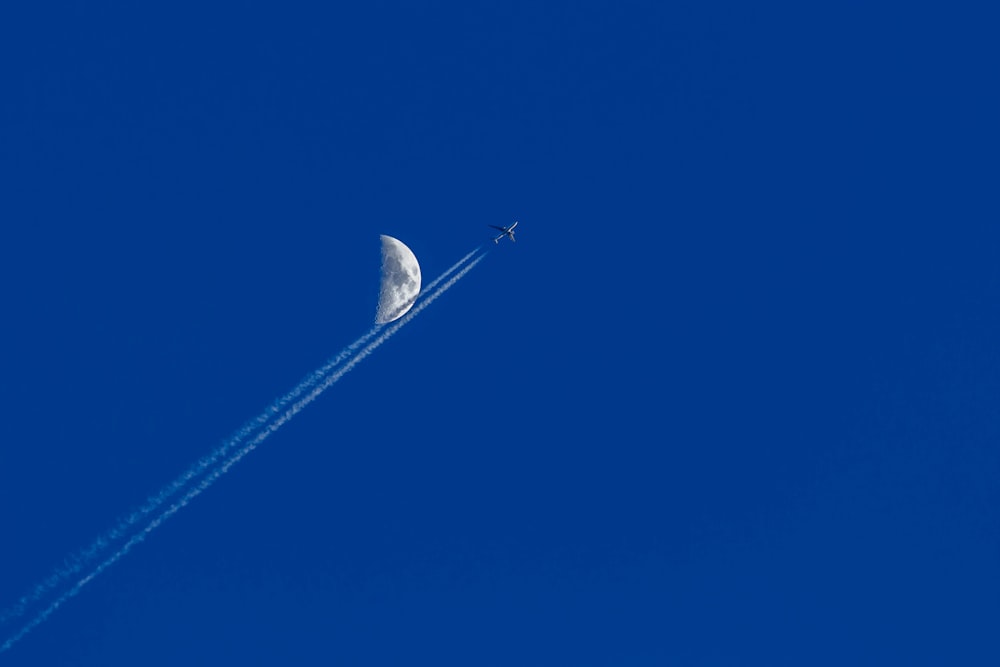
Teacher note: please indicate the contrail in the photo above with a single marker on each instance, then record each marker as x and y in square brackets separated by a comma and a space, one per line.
[222, 469]
[75, 563]
[448, 272]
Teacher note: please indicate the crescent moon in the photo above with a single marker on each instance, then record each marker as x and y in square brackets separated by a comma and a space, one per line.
[400, 280]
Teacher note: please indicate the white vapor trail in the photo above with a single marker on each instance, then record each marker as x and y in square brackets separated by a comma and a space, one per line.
[77, 562]
[315, 384]
[80, 560]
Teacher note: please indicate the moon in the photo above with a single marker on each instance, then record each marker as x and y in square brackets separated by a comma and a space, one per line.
[400, 280]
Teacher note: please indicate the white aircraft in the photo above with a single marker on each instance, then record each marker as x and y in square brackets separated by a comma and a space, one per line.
[505, 231]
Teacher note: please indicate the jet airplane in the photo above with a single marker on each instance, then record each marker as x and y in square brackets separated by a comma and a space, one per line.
[505, 231]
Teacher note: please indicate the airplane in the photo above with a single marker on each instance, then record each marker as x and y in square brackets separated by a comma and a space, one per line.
[505, 231]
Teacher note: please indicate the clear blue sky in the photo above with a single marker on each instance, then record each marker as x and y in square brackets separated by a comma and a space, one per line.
[731, 399]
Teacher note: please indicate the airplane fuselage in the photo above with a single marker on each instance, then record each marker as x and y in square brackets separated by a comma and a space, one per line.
[505, 231]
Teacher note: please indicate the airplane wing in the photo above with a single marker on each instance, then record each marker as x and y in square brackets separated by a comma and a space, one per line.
[495, 227]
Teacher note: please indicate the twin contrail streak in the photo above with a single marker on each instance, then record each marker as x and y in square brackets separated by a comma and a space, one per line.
[82, 559]
[77, 562]
[315, 384]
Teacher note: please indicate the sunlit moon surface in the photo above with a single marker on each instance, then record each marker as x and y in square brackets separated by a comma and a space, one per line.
[400, 280]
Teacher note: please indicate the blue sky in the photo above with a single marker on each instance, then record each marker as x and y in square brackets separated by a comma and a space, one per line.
[730, 399]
